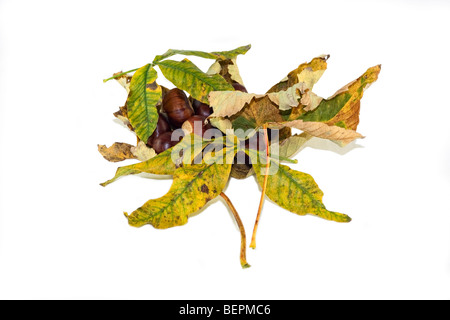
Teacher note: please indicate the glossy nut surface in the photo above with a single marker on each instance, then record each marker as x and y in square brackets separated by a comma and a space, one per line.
[164, 142]
[177, 107]
[239, 87]
[196, 124]
[161, 127]
[201, 109]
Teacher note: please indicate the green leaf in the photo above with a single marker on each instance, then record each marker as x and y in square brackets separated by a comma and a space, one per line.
[295, 191]
[192, 188]
[187, 76]
[144, 95]
[221, 55]
[167, 161]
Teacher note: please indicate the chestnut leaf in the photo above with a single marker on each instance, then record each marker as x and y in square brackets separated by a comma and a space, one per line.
[144, 95]
[192, 188]
[188, 77]
[342, 109]
[308, 72]
[221, 55]
[294, 190]
[167, 161]
[320, 130]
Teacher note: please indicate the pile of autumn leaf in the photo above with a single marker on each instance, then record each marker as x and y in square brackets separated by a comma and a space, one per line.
[290, 103]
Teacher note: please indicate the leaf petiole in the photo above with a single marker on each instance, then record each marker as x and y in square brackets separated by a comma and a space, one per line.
[120, 74]
[243, 258]
[263, 192]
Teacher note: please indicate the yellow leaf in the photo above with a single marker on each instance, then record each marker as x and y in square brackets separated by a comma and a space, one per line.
[295, 191]
[193, 186]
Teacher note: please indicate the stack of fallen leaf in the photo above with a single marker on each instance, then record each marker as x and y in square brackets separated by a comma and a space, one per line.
[251, 134]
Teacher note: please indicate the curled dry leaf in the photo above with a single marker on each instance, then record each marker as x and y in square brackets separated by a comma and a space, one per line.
[228, 69]
[142, 152]
[119, 151]
[308, 73]
[124, 80]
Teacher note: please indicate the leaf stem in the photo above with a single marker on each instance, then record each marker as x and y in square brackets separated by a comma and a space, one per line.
[120, 74]
[261, 201]
[243, 258]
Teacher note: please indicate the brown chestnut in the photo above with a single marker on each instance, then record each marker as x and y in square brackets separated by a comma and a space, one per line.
[164, 142]
[202, 109]
[196, 124]
[161, 127]
[238, 87]
[177, 107]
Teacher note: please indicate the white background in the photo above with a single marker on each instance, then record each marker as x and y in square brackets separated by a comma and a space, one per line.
[62, 236]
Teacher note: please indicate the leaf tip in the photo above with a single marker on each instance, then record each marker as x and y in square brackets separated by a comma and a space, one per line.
[245, 266]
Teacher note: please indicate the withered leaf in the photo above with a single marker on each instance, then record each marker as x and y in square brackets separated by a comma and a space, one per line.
[142, 152]
[308, 73]
[228, 69]
[342, 109]
[255, 114]
[119, 151]
[321, 130]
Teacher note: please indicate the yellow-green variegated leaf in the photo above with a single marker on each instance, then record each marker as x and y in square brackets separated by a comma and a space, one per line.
[187, 76]
[295, 191]
[167, 161]
[221, 55]
[342, 109]
[144, 95]
[192, 188]
[308, 73]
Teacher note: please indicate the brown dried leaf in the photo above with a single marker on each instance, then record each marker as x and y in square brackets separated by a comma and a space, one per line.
[119, 151]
